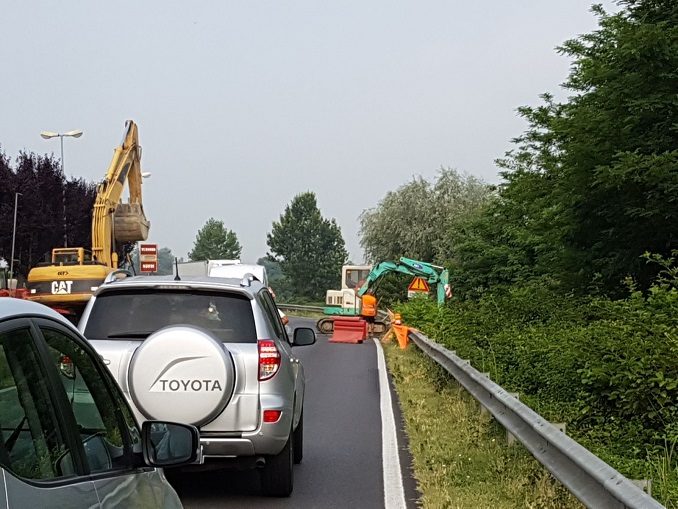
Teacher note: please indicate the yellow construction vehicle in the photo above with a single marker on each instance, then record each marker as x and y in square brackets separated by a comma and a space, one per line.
[67, 282]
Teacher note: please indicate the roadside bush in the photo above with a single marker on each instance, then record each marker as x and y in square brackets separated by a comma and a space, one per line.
[607, 367]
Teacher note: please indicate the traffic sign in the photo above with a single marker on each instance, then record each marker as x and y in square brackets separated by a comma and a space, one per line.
[149, 266]
[418, 284]
[148, 257]
[148, 249]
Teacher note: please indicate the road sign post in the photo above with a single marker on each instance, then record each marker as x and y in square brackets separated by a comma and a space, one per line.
[417, 286]
[148, 258]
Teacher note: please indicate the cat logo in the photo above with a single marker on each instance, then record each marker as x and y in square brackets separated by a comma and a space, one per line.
[61, 287]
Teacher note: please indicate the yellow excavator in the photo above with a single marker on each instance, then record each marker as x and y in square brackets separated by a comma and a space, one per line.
[74, 273]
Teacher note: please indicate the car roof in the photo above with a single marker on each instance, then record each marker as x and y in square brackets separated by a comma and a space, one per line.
[13, 308]
[193, 282]
[238, 270]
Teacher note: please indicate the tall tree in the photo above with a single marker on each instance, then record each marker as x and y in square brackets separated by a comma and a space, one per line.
[276, 278]
[416, 220]
[215, 241]
[40, 211]
[309, 248]
[604, 162]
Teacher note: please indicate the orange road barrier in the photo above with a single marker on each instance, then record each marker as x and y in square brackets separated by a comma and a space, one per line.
[401, 332]
[397, 330]
[349, 330]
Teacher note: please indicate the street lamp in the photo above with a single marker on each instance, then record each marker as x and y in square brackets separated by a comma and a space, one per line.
[76, 133]
[11, 260]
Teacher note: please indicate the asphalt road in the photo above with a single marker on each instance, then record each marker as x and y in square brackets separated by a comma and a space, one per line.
[342, 464]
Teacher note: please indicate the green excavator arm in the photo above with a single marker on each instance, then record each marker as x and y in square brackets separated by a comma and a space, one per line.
[434, 274]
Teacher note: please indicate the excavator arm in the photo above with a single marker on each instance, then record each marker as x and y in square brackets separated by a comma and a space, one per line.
[68, 282]
[433, 274]
[113, 223]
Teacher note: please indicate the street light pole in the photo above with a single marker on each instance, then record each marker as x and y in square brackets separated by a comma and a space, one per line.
[73, 134]
[63, 192]
[11, 260]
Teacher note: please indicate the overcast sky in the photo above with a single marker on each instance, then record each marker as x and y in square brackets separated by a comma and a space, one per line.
[242, 105]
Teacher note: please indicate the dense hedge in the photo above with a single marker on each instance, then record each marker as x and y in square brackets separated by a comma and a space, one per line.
[608, 368]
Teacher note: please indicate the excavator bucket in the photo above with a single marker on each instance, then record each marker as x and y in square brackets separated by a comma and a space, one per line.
[130, 224]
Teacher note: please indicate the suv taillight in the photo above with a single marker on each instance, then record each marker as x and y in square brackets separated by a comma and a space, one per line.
[269, 359]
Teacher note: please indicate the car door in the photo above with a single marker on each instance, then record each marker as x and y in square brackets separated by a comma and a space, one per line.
[106, 429]
[41, 460]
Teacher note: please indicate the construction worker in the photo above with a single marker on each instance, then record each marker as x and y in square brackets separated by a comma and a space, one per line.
[368, 309]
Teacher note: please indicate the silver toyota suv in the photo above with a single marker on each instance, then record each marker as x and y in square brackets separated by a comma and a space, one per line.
[211, 352]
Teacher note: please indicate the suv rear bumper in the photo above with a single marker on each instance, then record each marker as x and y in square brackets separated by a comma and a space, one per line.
[267, 439]
[226, 447]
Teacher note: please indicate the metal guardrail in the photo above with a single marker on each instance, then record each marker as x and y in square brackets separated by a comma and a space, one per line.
[595, 483]
[298, 307]
[382, 315]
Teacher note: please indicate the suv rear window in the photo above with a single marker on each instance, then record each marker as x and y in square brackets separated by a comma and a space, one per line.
[139, 313]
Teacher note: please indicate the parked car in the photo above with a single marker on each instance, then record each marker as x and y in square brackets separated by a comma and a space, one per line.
[68, 437]
[211, 352]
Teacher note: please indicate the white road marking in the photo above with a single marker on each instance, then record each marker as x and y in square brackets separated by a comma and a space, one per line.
[394, 494]
[4, 483]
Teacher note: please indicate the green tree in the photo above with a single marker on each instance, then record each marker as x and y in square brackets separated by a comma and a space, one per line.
[215, 241]
[416, 219]
[276, 279]
[165, 261]
[309, 248]
[603, 164]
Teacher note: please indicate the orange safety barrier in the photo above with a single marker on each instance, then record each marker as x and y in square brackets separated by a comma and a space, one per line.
[401, 332]
[349, 330]
[19, 293]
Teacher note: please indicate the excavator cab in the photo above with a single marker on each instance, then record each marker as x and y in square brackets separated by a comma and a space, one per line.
[344, 301]
[68, 256]
[354, 276]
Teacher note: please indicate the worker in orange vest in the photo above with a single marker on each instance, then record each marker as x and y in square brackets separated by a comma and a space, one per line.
[368, 309]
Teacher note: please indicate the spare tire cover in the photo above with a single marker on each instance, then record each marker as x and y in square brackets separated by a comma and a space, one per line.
[181, 373]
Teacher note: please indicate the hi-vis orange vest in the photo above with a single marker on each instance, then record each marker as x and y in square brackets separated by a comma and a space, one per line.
[369, 305]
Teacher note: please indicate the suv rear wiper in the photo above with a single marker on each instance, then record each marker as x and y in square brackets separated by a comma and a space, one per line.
[131, 334]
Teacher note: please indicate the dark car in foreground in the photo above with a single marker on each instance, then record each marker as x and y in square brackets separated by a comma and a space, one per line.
[68, 438]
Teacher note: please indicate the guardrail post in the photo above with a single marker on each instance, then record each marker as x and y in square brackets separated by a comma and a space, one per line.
[511, 439]
[483, 410]
[644, 484]
[560, 426]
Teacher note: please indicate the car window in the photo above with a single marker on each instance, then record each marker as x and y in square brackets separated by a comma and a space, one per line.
[102, 426]
[32, 444]
[139, 313]
[273, 315]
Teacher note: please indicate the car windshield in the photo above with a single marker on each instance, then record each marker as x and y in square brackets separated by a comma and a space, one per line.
[139, 313]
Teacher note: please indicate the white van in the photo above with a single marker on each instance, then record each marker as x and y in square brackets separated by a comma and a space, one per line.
[237, 270]
[200, 267]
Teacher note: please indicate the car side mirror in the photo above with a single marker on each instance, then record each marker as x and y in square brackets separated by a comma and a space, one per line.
[303, 336]
[167, 444]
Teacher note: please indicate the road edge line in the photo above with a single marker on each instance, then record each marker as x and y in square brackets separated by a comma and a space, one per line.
[394, 493]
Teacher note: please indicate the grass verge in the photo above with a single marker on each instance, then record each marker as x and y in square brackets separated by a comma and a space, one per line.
[460, 457]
